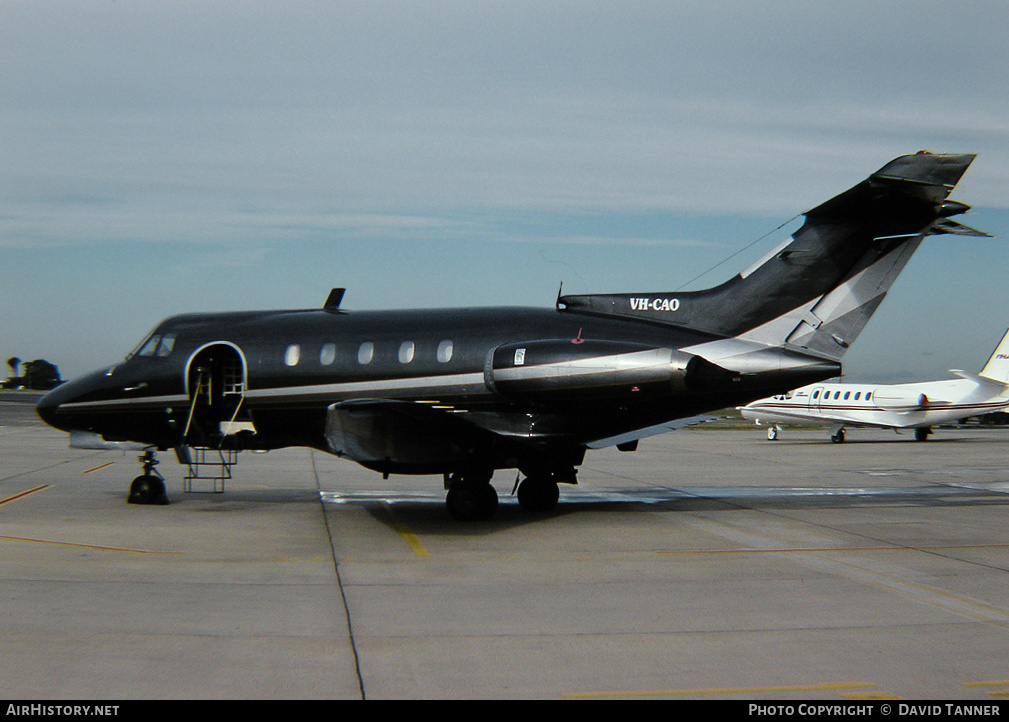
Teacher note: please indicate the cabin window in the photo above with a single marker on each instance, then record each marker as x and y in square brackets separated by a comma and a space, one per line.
[406, 352]
[292, 355]
[836, 395]
[816, 394]
[846, 395]
[444, 352]
[868, 395]
[328, 354]
[365, 353]
[857, 394]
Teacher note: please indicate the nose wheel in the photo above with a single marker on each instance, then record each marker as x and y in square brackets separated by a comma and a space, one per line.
[149, 487]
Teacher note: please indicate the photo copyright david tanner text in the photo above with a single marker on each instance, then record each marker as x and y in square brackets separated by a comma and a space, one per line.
[946, 709]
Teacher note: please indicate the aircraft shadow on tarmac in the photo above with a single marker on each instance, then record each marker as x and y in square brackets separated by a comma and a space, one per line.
[423, 512]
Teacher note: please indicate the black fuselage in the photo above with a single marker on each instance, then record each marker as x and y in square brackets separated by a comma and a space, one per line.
[290, 367]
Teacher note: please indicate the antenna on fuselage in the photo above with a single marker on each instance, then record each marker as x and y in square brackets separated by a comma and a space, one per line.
[334, 299]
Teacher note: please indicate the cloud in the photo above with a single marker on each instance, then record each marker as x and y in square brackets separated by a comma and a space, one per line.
[156, 120]
[228, 133]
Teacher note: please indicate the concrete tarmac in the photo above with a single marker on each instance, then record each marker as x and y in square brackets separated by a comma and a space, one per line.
[709, 564]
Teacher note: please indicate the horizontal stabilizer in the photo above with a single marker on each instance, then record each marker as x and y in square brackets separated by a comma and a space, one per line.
[995, 388]
[954, 228]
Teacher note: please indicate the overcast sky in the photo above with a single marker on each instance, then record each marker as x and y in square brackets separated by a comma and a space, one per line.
[165, 157]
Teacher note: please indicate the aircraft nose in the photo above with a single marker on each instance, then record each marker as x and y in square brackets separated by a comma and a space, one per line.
[48, 406]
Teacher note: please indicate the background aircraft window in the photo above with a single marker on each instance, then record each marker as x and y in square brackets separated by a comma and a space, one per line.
[406, 351]
[868, 395]
[816, 394]
[444, 352]
[857, 394]
[166, 345]
[366, 353]
[292, 355]
[328, 354]
[836, 394]
[846, 395]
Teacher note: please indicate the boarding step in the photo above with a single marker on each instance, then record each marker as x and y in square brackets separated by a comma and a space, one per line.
[206, 465]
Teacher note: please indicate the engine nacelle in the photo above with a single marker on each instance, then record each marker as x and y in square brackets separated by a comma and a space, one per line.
[899, 399]
[565, 368]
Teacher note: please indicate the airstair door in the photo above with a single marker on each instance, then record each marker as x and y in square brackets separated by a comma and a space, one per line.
[216, 380]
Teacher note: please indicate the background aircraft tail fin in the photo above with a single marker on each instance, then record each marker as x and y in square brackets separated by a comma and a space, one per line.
[815, 292]
[997, 367]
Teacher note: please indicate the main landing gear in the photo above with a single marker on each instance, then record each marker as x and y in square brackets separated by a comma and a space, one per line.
[149, 487]
[538, 493]
[472, 498]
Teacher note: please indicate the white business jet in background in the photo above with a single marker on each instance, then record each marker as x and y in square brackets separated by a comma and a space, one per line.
[917, 406]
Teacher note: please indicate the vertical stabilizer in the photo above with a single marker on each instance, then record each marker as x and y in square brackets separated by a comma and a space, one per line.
[997, 368]
[814, 294]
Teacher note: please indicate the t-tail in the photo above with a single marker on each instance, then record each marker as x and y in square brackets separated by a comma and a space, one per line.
[997, 367]
[813, 294]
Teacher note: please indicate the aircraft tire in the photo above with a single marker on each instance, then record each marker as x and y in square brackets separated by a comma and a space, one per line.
[922, 433]
[538, 494]
[838, 438]
[471, 501]
[147, 489]
[772, 434]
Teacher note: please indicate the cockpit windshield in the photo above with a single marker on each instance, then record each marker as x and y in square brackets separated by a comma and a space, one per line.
[155, 345]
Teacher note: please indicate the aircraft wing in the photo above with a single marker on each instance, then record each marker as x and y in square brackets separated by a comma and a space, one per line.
[650, 431]
[378, 433]
[798, 413]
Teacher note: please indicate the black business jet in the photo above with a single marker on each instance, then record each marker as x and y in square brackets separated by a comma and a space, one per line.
[465, 392]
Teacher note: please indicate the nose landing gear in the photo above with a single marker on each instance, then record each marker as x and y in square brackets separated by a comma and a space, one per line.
[149, 487]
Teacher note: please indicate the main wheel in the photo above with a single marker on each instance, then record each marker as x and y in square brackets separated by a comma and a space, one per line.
[471, 501]
[838, 438]
[922, 433]
[538, 494]
[772, 433]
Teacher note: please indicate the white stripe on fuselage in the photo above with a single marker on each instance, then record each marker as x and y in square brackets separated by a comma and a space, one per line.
[455, 383]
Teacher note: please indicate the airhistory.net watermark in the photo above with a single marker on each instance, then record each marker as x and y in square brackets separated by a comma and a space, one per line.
[62, 710]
